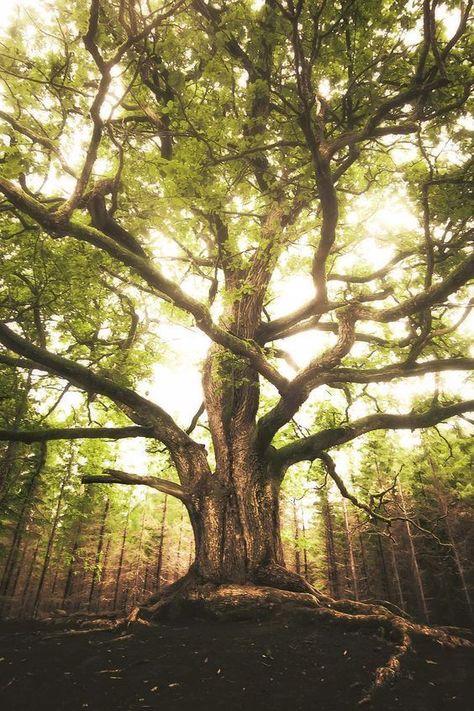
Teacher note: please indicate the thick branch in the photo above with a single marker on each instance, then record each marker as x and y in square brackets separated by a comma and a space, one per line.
[136, 407]
[306, 316]
[398, 370]
[115, 476]
[152, 276]
[310, 448]
[434, 295]
[314, 374]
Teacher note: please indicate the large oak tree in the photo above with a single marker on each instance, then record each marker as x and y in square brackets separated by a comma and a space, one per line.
[177, 162]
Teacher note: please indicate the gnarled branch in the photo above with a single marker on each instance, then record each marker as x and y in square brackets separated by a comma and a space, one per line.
[139, 409]
[310, 448]
[116, 476]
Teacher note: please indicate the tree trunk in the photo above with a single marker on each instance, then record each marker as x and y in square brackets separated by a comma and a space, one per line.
[384, 577]
[20, 528]
[331, 561]
[161, 545]
[296, 533]
[52, 534]
[396, 575]
[305, 551]
[414, 561]
[350, 547]
[236, 530]
[96, 572]
[118, 575]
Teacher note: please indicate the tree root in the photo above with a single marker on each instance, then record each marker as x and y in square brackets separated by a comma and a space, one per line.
[239, 602]
[400, 631]
[286, 596]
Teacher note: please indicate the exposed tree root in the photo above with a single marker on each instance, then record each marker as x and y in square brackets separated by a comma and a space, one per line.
[191, 597]
[225, 602]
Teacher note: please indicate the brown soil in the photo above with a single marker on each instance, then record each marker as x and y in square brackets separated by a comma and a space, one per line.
[273, 664]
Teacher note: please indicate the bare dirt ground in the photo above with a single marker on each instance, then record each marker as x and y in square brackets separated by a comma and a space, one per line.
[223, 666]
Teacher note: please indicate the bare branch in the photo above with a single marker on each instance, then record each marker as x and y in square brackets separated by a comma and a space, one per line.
[370, 511]
[116, 476]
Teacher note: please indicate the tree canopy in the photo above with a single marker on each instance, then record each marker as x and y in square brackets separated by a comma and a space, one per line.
[217, 167]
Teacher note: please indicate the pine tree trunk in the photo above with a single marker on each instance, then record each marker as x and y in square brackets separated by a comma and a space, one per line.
[365, 572]
[28, 579]
[350, 546]
[385, 580]
[178, 547]
[118, 575]
[103, 577]
[460, 568]
[6, 585]
[100, 545]
[52, 534]
[414, 560]
[396, 575]
[296, 533]
[159, 565]
[454, 548]
[332, 573]
[305, 552]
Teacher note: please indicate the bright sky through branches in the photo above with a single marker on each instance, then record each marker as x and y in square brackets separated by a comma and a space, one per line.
[176, 383]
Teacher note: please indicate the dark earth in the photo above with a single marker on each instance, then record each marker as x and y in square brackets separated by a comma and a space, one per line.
[275, 664]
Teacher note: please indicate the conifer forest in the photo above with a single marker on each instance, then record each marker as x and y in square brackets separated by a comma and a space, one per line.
[236, 354]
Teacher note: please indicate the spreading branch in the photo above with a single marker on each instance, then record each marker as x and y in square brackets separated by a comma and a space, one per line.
[148, 272]
[397, 370]
[139, 409]
[116, 476]
[310, 448]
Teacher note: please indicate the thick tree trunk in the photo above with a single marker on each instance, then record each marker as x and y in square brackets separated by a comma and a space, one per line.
[234, 510]
[236, 529]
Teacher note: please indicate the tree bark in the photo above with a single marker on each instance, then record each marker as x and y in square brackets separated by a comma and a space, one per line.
[414, 561]
[350, 547]
[161, 545]
[96, 572]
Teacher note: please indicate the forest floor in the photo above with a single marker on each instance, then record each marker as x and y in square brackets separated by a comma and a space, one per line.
[272, 665]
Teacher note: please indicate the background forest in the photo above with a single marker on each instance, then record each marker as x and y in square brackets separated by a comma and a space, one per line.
[70, 547]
